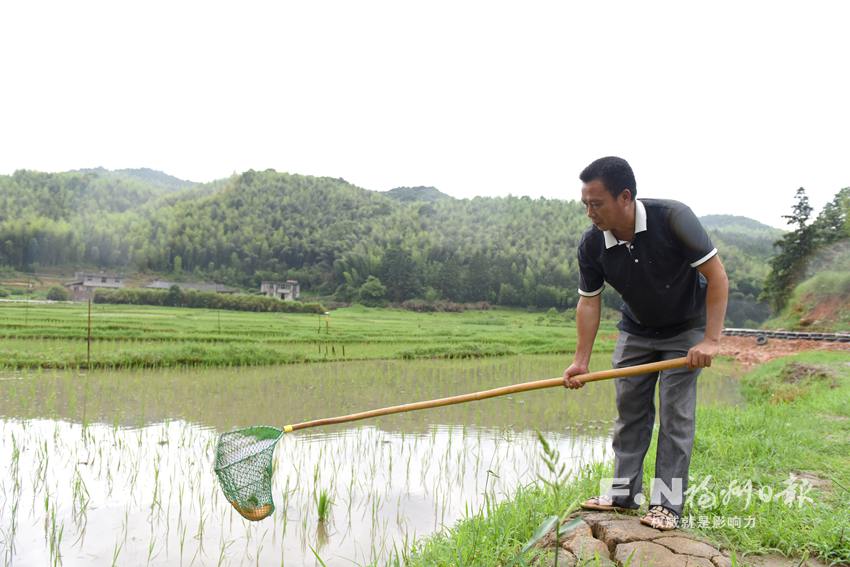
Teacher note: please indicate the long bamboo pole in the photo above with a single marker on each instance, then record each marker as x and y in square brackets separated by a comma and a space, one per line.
[88, 340]
[504, 390]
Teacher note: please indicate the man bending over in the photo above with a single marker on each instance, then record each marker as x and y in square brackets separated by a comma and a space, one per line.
[656, 254]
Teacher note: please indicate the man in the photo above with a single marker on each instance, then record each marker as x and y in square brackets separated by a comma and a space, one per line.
[659, 258]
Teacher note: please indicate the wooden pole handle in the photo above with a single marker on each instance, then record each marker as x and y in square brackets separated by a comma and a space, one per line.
[504, 390]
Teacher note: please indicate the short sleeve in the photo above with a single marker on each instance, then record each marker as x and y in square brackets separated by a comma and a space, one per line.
[697, 245]
[591, 280]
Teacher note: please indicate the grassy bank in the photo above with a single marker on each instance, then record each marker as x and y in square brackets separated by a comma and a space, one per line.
[126, 336]
[818, 304]
[780, 463]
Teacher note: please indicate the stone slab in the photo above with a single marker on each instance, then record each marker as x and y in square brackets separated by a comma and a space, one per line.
[585, 548]
[687, 546]
[698, 562]
[646, 553]
[583, 529]
[593, 518]
[613, 533]
[565, 559]
[580, 530]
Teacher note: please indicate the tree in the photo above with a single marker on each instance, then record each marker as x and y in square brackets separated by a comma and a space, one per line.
[400, 274]
[786, 268]
[31, 254]
[478, 281]
[832, 223]
[372, 292]
[801, 210]
[509, 295]
[449, 280]
[174, 297]
[57, 293]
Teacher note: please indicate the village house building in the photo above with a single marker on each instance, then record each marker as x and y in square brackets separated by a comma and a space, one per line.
[287, 291]
[84, 284]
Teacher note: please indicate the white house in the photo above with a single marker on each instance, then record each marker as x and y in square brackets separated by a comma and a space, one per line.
[288, 291]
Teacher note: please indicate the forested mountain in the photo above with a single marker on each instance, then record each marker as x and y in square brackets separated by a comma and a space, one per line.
[408, 194]
[334, 237]
[750, 236]
[64, 196]
[737, 223]
[150, 177]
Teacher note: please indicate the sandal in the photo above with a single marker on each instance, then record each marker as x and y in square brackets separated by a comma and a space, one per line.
[661, 518]
[605, 504]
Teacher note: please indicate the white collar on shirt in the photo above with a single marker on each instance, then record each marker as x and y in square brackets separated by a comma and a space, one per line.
[640, 226]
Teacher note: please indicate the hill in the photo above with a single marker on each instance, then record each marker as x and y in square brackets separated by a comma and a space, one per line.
[65, 196]
[151, 177]
[331, 235]
[411, 194]
[820, 303]
[750, 236]
[736, 223]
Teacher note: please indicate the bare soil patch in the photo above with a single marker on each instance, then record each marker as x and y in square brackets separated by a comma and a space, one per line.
[746, 351]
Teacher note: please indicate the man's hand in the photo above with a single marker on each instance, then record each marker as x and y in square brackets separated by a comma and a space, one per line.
[701, 354]
[574, 370]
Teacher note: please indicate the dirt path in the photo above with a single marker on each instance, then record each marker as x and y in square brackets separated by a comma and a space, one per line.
[746, 351]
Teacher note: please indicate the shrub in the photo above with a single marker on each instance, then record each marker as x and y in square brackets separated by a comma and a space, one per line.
[372, 292]
[57, 293]
[204, 300]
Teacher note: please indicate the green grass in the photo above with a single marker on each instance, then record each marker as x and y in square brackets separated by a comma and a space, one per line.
[494, 534]
[773, 436]
[126, 336]
[777, 435]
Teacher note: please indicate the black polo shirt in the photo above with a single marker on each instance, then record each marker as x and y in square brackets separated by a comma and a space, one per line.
[655, 273]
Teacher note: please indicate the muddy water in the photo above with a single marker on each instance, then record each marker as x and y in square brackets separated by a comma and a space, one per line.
[117, 467]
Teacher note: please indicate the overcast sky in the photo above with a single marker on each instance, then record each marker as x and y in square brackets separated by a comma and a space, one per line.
[728, 107]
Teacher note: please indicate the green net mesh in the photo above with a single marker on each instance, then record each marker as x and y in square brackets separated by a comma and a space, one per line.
[243, 464]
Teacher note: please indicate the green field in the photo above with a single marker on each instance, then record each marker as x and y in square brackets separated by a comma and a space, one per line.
[36, 335]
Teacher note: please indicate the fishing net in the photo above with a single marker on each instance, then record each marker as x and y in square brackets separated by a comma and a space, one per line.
[243, 464]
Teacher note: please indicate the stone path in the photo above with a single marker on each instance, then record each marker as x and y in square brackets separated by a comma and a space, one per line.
[608, 539]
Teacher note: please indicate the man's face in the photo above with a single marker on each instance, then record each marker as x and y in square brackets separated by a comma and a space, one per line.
[605, 211]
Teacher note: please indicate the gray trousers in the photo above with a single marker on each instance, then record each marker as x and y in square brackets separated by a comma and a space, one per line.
[636, 418]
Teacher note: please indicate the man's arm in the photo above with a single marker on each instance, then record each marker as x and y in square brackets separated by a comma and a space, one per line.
[715, 313]
[588, 312]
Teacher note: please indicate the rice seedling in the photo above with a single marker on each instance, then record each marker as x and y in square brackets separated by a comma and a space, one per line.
[151, 547]
[323, 506]
[182, 541]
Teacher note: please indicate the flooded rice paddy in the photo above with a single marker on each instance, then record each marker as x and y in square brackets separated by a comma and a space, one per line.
[116, 467]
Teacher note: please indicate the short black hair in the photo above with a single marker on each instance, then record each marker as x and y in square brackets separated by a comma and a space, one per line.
[615, 173]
